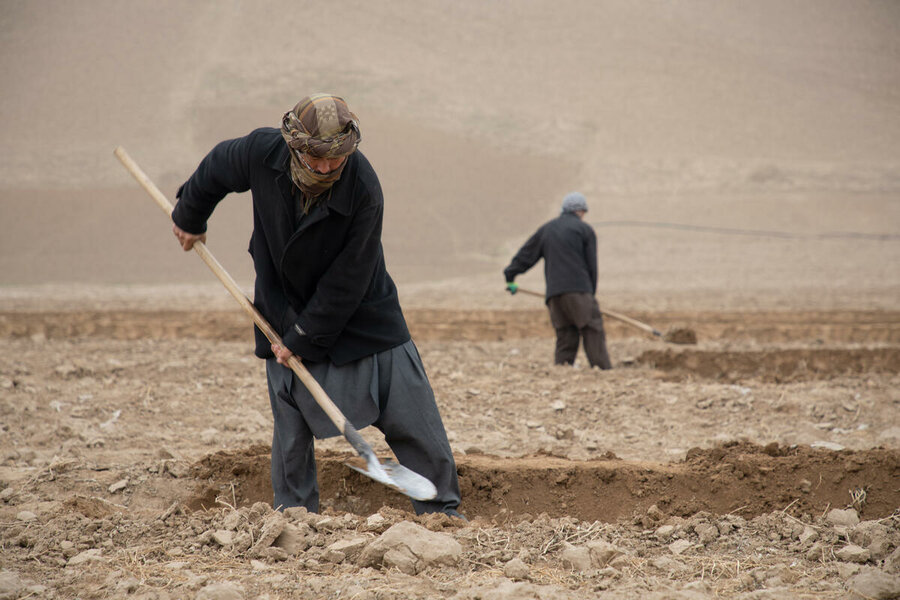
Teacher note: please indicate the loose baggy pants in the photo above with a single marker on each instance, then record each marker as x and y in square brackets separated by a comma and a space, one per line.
[577, 317]
[389, 390]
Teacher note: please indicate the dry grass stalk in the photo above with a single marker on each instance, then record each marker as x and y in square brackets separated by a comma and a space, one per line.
[858, 498]
[564, 533]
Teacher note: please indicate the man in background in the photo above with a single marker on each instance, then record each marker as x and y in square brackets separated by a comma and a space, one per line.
[568, 246]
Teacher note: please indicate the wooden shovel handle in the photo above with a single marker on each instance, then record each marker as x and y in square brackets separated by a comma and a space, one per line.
[321, 397]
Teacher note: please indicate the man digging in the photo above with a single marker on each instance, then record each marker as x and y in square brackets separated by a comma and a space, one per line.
[322, 283]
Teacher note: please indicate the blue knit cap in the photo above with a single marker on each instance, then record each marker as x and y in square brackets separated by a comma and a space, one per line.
[574, 201]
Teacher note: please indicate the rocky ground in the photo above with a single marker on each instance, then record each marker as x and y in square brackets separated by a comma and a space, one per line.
[760, 462]
[741, 170]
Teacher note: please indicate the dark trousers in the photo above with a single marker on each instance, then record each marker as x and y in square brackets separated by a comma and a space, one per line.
[577, 317]
[407, 415]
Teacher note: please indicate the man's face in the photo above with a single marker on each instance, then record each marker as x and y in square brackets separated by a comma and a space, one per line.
[323, 166]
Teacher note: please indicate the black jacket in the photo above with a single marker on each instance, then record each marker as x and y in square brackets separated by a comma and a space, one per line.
[568, 246]
[325, 277]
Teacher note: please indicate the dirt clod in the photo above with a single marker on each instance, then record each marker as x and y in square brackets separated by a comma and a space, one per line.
[680, 335]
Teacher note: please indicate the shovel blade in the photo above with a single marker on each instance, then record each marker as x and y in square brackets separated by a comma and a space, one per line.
[398, 477]
[392, 473]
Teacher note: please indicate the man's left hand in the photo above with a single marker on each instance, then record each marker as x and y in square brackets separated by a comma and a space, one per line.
[187, 240]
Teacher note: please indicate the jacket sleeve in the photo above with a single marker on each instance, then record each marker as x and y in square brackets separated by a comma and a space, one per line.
[590, 256]
[224, 170]
[527, 256]
[342, 287]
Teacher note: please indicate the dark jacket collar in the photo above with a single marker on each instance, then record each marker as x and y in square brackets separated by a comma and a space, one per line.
[340, 200]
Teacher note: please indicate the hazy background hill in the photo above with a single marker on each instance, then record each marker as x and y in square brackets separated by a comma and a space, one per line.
[681, 121]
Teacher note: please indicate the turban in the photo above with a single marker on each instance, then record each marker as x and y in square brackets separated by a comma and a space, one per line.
[321, 126]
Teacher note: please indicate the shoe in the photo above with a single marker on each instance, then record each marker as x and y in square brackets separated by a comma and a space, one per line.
[452, 513]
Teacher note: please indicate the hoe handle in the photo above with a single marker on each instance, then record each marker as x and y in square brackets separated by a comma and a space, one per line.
[631, 321]
[609, 313]
[321, 397]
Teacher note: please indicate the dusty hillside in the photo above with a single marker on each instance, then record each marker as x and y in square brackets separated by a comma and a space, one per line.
[775, 117]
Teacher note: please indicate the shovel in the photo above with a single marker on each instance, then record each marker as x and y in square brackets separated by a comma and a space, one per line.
[609, 313]
[391, 473]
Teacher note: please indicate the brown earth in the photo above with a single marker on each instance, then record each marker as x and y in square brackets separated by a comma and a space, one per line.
[153, 424]
[740, 164]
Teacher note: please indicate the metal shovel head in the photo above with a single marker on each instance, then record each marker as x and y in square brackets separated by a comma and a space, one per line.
[395, 475]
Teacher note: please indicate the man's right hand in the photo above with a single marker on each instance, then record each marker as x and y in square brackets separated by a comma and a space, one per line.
[187, 240]
[282, 354]
[512, 287]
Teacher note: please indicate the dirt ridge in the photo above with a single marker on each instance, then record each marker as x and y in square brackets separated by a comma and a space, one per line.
[734, 478]
[846, 326]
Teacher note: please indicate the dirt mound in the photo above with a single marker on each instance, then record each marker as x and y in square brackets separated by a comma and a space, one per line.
[681, 335]
[735, 478]
[779, 366]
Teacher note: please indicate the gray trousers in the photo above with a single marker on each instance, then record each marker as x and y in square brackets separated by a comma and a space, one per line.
[577, 317]
[389, 390]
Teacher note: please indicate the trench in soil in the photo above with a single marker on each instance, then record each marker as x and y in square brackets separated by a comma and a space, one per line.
[823, 327]
[739, 478]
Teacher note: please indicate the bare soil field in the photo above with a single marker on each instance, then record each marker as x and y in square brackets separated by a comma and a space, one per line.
[740, 161]
[760, 462]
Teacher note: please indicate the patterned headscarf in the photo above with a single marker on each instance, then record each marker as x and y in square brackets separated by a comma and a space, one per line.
[321, 126]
